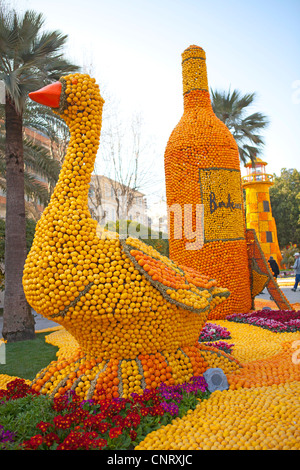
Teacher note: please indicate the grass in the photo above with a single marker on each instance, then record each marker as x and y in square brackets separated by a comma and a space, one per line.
[25, 358]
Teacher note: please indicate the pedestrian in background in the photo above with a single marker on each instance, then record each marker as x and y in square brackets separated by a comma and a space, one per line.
[274, 266]
[296, 267]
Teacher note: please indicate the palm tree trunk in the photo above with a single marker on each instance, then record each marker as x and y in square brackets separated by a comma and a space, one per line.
[18, 321]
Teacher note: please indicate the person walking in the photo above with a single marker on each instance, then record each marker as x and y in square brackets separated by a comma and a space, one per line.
[296, 267]
[274, 266]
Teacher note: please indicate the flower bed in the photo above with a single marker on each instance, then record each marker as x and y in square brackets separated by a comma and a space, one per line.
[245, 416]
[117, 424]
[274, 320]
[211, 333]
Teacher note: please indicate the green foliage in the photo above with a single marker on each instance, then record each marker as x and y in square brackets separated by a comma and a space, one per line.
[231, 108]
[22, 415]
[30, 57]
[288, 252]
[37, 160]
[285, 203]
[77, 424]
[30, 231]
[158, 240]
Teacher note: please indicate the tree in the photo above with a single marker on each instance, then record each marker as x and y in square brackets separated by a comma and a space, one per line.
[96, 195]
[38, 164]
[42, 119]
[157, 239]
[30, 230]
[285, 203]
[288, 255]
[29, 59]
[231, 109]
[123, 150]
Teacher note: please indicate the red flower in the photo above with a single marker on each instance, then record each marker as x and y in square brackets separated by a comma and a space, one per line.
[115, 432]
[144, 411]
[17, 388]
[119, 421]
[132, 434]
[132, 419]
[157, 410]
[50, 438]
[101, 442]
[103, 427]
[62, 422]
[43, 426]
[34, 442]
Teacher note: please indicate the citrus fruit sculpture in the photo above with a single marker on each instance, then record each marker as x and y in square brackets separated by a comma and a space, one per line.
[135, 314]
[202, 169]
[202, 166]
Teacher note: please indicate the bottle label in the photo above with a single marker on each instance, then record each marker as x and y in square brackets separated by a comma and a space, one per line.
[221, 195]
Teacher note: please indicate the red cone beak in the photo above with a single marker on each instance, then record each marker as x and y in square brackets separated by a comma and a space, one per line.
[48, 95]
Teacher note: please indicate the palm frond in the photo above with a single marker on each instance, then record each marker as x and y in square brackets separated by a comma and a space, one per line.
[256, 120]
[231, 108]
[40, 161]
[29, 26]
[35, 189]
[29, 57]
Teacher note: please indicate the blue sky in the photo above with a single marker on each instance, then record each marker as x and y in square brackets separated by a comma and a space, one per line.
[135, 47]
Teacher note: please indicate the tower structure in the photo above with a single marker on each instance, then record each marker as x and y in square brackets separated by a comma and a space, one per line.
[258, 208]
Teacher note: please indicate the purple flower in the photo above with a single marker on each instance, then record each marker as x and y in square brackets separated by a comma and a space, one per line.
[6, 436]
[171, 408]
[170, 392]
[274, 320]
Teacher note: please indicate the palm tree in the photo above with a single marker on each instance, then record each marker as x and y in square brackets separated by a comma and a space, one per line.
[41, 119]
[38, 161]
[231, 108]
[29, 58]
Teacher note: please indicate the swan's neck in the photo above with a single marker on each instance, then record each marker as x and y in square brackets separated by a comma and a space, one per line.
[75, 175]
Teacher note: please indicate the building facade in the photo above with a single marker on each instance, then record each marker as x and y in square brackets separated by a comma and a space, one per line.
[110, 201]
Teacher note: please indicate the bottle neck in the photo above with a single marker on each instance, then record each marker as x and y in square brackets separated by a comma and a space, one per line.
[194, 78]
[197, 99]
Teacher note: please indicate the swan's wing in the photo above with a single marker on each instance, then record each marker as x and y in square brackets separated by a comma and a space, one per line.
[181, 285]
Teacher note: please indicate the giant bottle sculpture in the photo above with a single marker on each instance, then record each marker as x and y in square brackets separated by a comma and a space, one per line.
[204, 193]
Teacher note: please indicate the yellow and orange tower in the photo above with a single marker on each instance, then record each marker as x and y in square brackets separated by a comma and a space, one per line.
[258, 208]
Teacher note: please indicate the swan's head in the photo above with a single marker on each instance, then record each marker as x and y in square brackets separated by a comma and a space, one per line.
[71, 95]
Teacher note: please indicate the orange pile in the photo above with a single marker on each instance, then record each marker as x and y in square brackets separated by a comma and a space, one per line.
[277, 369]
[98, 379]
